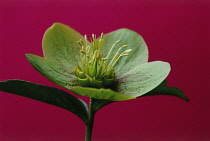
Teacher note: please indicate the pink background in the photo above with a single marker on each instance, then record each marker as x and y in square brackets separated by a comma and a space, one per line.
[175, 31]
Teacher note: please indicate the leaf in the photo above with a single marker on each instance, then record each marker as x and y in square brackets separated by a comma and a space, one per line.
[137, 56]
[39, 63]
[100, 103]
[46, 94]
[143, 78]
[162, 89]
[60, 47]
[106, 94]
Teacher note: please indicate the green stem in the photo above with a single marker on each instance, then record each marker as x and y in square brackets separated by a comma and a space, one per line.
[89, 125]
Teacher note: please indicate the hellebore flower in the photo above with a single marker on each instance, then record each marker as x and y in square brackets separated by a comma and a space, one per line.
[112, 67]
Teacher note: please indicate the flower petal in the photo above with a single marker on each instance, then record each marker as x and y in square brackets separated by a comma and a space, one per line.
[143, 78]
[137, 56]
[60, 47]
[41, 66]
[106, 94]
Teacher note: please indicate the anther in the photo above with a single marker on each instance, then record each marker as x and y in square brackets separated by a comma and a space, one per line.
[118, 41]
[125, 54]
[124, 46]
[87, 49]
[82, 51]
[79, 43]
[104, 59]
[96, 54]
[128, 50]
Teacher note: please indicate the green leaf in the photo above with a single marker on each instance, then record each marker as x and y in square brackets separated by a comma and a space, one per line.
[143, 78]
[41, 66]
[137, 56]
[46, 94]
[100, 103]
[60, 47]
[162, 89]
[106, 94]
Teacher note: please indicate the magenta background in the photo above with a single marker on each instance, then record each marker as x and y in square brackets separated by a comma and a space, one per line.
[175, 31]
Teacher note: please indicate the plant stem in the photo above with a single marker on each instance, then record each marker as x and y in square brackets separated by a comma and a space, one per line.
[89, 125]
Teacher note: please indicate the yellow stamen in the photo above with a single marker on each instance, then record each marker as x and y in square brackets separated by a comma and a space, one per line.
[125, 55]
[128, 50]
[96, 54]
[93, 64]
[112, 48]
[87, 49]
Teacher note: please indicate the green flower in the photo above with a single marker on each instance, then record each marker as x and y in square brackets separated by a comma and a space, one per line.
[113, 67]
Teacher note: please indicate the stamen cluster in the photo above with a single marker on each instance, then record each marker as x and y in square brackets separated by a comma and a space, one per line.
[94, 69]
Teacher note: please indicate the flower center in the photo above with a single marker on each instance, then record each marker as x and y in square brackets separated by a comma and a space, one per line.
[94, 69]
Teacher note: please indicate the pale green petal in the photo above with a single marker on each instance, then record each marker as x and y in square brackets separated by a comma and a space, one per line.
[60, 47]
[105, 94]
[41, 66]
[137, 56]
[143, 78]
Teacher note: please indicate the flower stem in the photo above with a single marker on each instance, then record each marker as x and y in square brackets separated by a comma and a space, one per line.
[89, 125]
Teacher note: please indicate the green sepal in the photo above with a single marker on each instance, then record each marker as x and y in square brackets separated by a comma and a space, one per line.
[40, 64]
[137, 56]
[106, 94]
[161, 89]
[143, 78]
[60, 47]
[46, 94]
